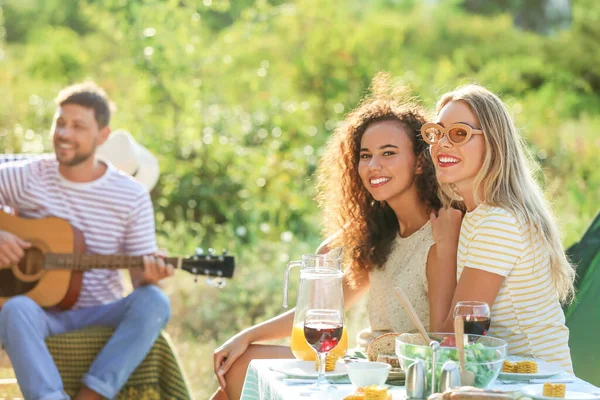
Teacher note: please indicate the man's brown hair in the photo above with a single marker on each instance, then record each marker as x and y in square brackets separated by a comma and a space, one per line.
[89, 95]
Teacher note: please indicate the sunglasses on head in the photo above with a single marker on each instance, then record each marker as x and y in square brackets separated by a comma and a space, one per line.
[457, 134]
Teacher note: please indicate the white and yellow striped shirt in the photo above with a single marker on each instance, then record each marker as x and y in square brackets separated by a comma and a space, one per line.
[526, 313]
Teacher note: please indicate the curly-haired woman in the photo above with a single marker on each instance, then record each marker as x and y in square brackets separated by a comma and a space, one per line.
[377, 188]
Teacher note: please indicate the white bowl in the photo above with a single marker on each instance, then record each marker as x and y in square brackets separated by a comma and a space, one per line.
[368, 373]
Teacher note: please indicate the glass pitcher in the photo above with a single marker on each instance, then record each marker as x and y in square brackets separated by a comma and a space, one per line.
[320, 288]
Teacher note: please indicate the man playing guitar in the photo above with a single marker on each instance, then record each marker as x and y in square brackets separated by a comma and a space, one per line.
[115, 215]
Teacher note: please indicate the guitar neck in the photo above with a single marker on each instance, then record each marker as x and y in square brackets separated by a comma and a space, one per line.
[86, 262]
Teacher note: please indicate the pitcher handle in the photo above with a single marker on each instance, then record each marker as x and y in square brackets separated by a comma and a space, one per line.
[286, 279]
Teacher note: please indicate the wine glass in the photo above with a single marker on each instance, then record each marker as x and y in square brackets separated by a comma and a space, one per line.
[476, 316]
[323, 331]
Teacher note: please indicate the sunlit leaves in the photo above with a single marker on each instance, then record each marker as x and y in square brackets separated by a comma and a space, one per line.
[237, 98]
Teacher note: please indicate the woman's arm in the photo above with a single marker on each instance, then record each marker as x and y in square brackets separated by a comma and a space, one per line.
[494, 247]
[324, 246]
[275, 328]
[441, 284]
[441, 265]
[474, 285]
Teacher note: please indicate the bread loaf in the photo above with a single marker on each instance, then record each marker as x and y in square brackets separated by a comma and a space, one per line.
[383, 345]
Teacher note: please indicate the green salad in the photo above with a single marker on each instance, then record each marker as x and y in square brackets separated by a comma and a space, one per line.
[484, 361]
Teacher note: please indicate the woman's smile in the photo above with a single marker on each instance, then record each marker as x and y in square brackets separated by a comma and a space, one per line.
[447, 160]
[378, 181]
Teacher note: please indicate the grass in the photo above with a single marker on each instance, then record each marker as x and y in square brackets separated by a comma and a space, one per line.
[9, 391]
[197, 362]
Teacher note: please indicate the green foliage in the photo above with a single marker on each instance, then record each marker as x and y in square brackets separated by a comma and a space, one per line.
[23, 16]
[237, 98]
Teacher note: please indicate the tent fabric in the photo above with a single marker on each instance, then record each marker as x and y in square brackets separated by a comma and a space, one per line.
[583, 315]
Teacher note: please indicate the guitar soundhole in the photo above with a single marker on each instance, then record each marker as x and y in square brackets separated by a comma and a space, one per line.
[32, 262]
[10, 285]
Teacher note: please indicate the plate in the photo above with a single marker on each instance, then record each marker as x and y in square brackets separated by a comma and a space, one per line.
[574, 392]
[306, 369]
[545, 369]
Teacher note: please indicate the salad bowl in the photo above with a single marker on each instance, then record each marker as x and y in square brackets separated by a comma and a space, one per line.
[484, 355]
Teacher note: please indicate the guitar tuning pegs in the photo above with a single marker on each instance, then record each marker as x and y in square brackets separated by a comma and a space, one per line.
[199, 251]
[223, 254]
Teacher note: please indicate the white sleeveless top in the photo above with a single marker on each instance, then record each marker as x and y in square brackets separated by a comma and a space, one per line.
[405, 268]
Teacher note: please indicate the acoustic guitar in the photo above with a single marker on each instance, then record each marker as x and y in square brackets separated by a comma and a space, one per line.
[51, 272]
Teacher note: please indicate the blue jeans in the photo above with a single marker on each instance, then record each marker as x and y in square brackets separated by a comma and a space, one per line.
[137, 319]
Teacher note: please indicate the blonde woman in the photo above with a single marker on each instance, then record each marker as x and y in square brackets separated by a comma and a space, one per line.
[508, 252]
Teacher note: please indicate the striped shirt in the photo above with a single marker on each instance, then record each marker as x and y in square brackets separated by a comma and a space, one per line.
[114, 213]
[526, 313]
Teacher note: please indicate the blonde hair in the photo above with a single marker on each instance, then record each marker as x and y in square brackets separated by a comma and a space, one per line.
[506, 180]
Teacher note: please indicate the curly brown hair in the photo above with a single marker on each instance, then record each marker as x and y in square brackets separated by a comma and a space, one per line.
[369, 226]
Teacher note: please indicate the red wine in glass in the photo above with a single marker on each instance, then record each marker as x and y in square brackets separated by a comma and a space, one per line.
[476, 316]
[475, 325]
[323, 331]
[323, 336]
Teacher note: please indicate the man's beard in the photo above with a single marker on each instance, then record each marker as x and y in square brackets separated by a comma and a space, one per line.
[77, 159]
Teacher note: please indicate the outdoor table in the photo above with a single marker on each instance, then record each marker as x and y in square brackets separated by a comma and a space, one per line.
[262, 383]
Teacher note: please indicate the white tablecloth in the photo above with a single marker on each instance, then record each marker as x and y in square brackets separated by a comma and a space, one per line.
[262, 383]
